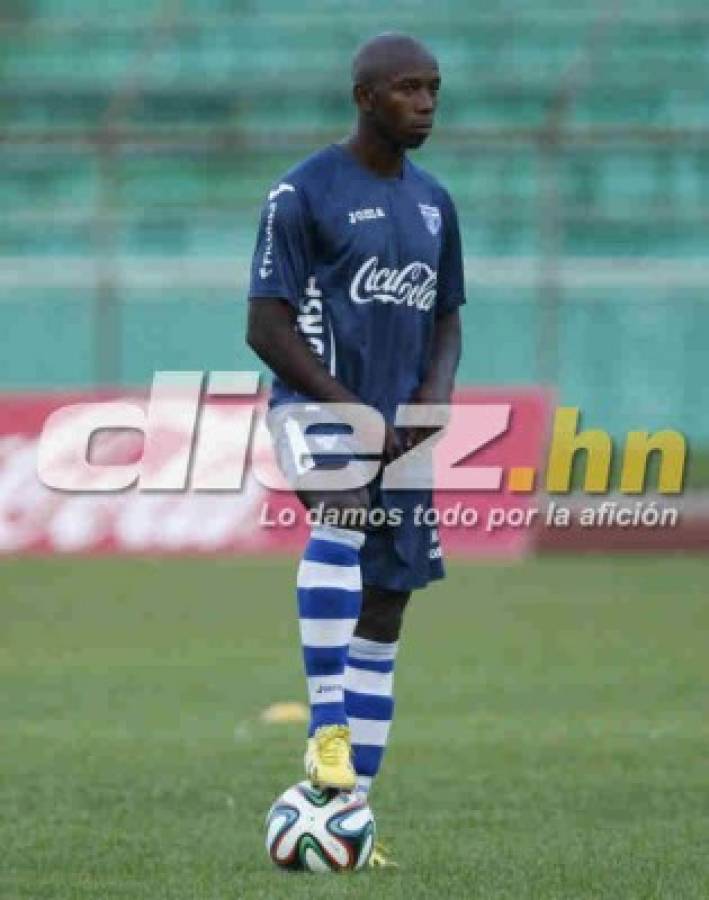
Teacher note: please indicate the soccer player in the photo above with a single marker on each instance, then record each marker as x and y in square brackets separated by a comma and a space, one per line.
[356, 285]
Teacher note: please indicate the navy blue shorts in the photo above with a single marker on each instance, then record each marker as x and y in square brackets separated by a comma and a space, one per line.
[400, 552]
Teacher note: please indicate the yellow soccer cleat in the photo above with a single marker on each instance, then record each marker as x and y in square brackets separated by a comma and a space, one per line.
[328, 762]
[381, 858]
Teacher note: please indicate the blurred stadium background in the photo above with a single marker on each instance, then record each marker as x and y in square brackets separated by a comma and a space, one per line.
[138, 139]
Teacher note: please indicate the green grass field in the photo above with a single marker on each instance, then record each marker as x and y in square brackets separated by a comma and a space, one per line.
[551, 738]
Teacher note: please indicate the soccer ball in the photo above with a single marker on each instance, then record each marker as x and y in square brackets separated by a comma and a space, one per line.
[309, 830]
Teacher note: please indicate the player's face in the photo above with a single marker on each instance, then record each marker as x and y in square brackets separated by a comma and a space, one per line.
[406, 104]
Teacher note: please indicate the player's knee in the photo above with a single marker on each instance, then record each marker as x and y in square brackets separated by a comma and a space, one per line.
[382, 614]
[341, 509]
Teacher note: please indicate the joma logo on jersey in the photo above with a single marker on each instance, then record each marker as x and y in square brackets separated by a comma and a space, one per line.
[366, 215]
[414, 285]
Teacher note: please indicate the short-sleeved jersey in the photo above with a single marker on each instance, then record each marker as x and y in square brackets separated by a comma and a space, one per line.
[368, 263]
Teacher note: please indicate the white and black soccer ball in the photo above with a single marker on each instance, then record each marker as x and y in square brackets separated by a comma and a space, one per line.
[309, 830]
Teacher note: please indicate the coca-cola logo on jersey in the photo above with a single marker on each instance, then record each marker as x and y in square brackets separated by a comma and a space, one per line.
[414, 285]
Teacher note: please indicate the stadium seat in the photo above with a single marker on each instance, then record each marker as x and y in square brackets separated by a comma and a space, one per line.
[277, 81]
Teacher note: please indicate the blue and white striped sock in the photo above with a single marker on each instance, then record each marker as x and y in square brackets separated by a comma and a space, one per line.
[369, 701]
[329, 602]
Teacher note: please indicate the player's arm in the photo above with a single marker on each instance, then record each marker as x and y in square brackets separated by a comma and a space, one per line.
[280, 267]
[445, 356]
[279, 271]
[271, 335]
[437, 386]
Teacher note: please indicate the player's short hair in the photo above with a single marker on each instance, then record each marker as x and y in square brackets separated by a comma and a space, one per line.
[386, 54]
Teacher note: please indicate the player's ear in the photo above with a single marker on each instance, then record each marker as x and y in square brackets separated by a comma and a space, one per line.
[362, 95]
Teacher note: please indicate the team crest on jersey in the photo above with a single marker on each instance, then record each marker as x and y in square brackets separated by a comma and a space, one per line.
[432, 218]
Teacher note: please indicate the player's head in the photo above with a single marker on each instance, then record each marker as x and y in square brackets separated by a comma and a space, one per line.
[395, 86]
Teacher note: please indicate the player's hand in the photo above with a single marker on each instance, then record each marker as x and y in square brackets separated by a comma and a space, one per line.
[394, 446]
[391, 447]
[427, 393]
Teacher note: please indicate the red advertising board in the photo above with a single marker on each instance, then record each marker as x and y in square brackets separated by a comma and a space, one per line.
[37, 519]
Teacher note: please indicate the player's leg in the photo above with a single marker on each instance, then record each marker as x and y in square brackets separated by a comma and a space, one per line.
[329, 587]
[369, 697]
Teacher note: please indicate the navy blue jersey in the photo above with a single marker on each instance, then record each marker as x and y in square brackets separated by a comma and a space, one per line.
[368, 263]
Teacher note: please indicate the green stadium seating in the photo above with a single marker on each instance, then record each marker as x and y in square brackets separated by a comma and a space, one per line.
[276, 78]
